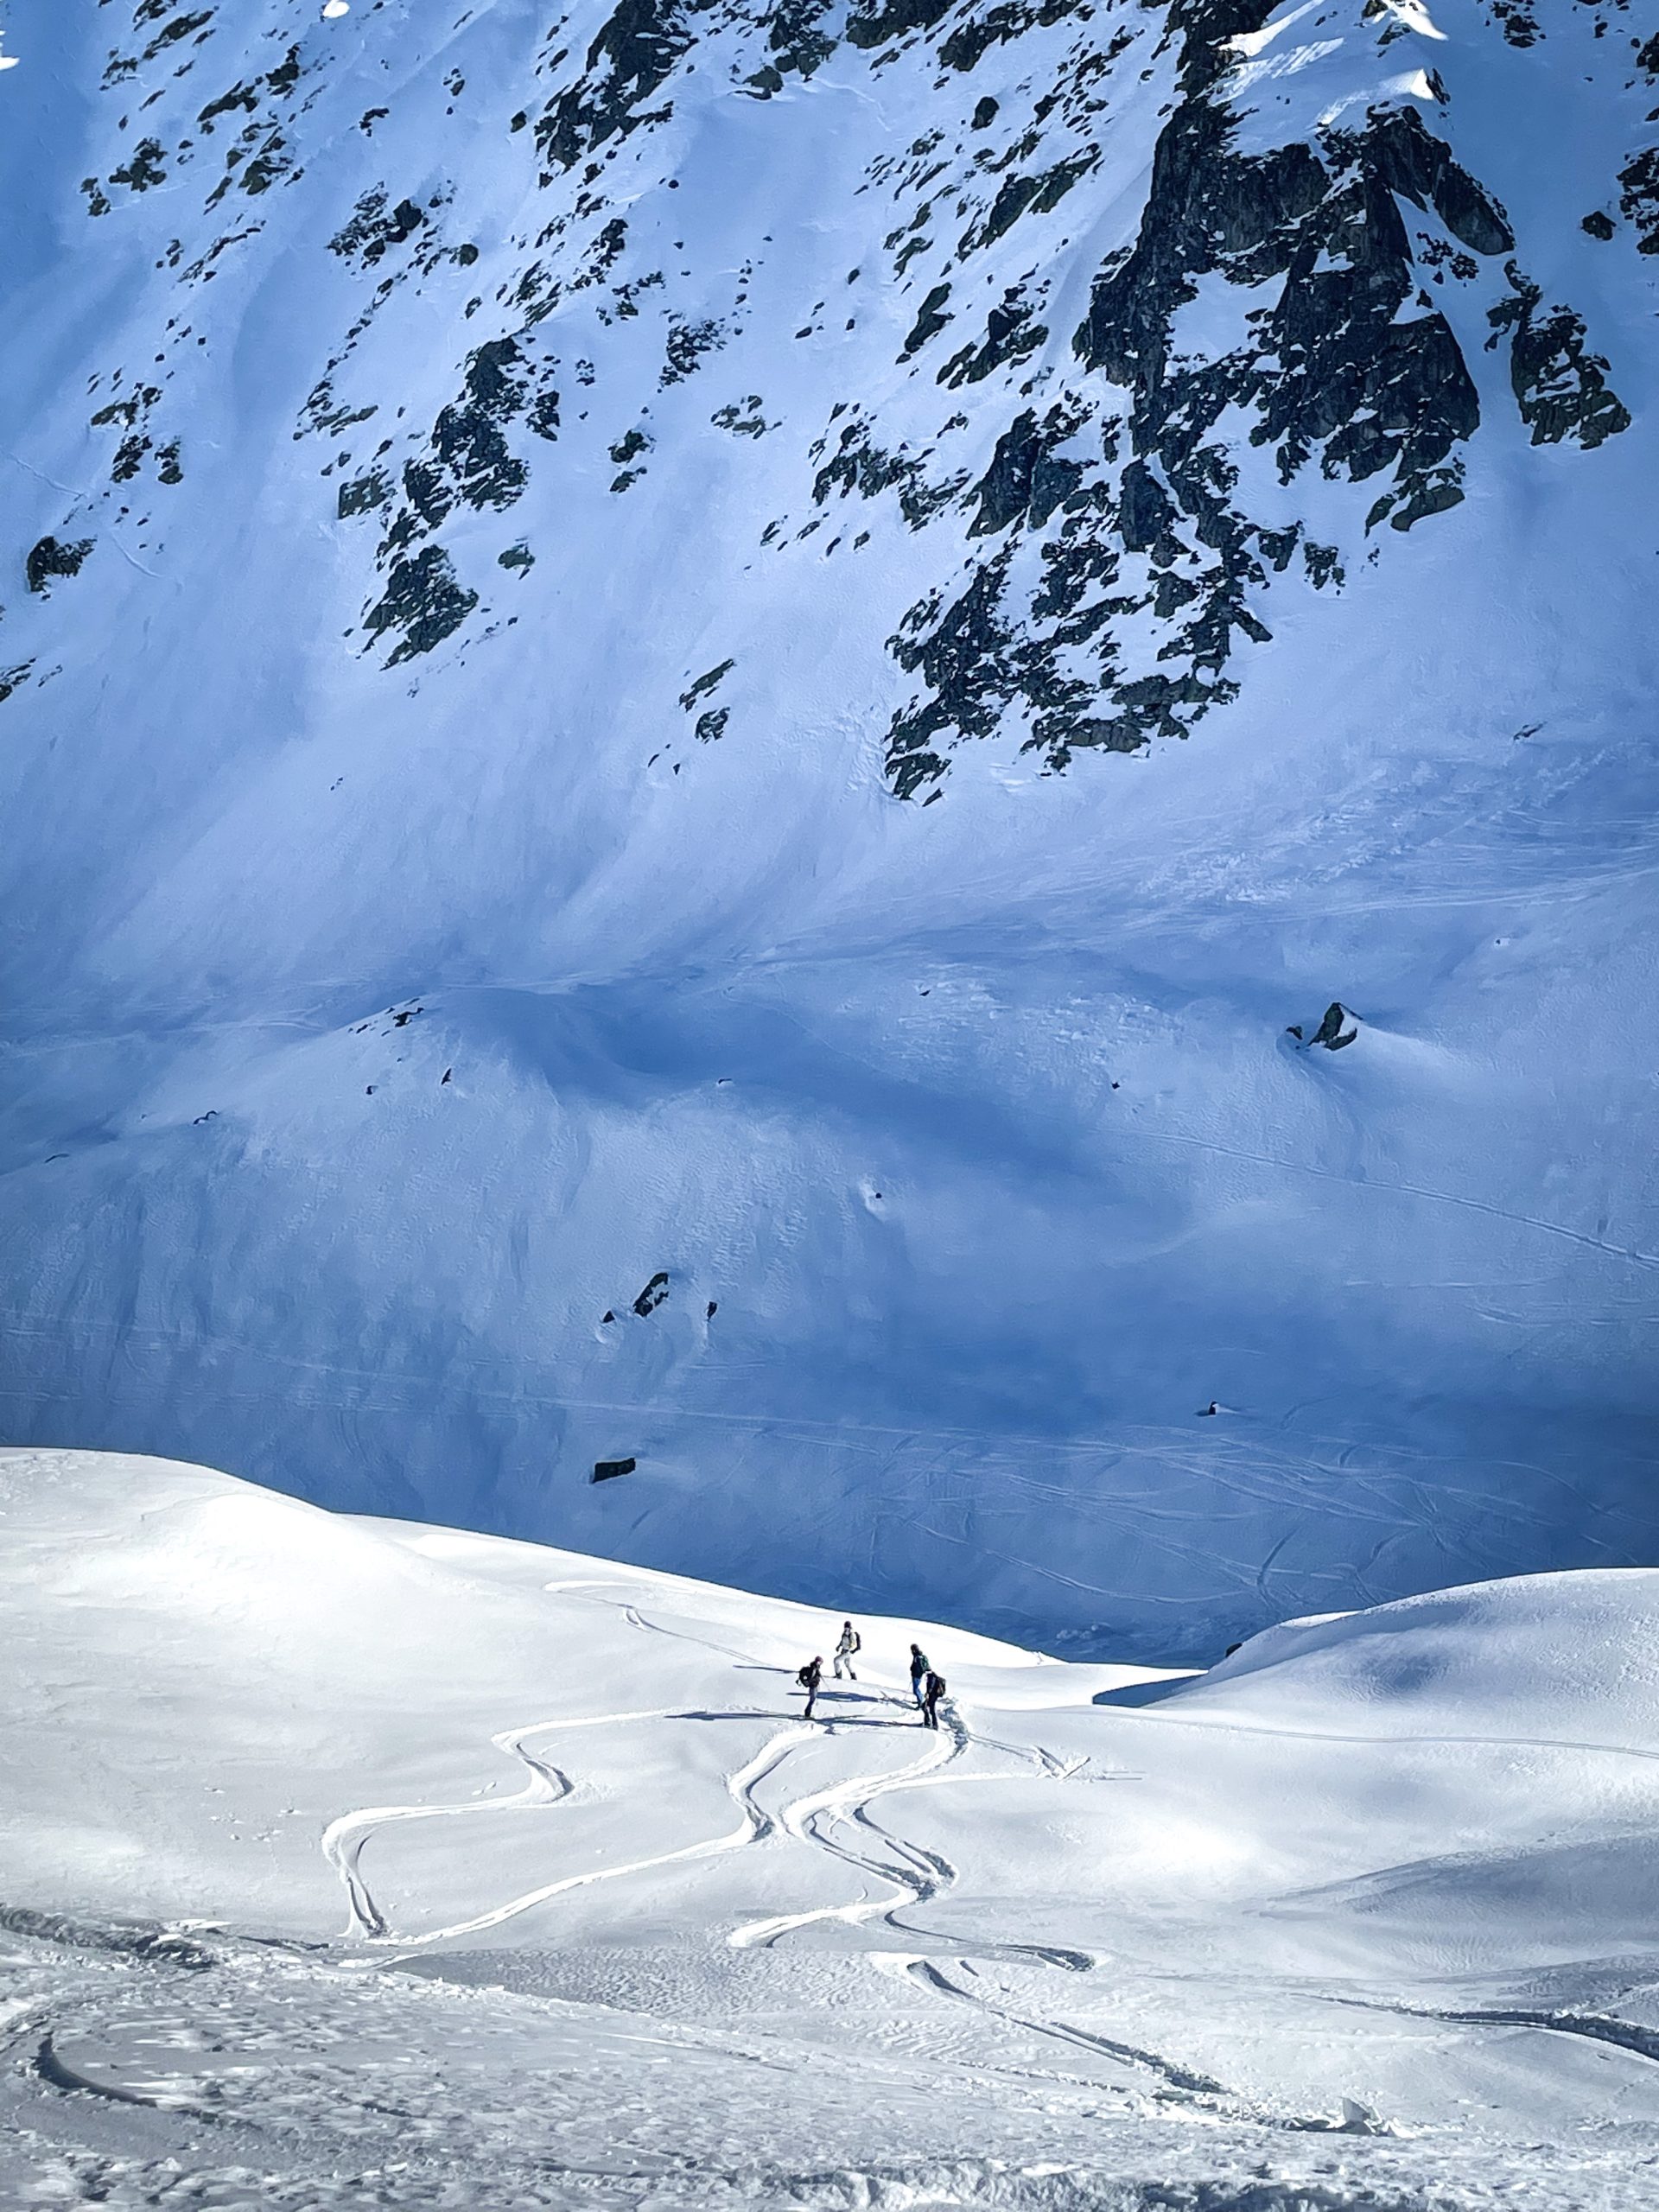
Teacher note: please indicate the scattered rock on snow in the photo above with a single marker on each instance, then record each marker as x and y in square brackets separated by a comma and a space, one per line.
[52, 556]
[1339, 1026]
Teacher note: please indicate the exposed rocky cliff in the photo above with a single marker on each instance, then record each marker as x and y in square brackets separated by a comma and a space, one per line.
[1290, 285]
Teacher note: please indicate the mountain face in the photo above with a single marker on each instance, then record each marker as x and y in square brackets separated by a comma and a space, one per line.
[896, 757]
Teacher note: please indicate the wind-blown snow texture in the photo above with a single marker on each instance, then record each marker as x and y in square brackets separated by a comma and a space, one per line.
[767, 652]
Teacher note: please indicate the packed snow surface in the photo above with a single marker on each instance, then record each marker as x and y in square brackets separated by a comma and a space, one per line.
[352, 1863]
[513, 518]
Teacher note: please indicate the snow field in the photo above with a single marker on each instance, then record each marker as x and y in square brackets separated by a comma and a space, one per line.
[977, 1121]
[1404, 1859]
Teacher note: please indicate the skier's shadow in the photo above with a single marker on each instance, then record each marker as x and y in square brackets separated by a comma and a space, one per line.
[847, 1720]
[900, 1717]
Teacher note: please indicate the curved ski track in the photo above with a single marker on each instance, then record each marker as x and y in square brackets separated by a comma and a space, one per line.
[913, 1875]
[344, 1839]
[921, 1874]
[1178, 2078]
[924, 1875]
[910, 1874]
[1591, 2027]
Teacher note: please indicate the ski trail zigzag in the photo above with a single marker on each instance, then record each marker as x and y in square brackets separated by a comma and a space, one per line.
[920, 1876]
[345, 1838]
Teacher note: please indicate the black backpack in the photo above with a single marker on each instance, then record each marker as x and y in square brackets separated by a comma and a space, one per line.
[805, 1678]
[934, 1687]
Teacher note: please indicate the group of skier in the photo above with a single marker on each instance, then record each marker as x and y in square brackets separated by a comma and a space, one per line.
[925, 1687]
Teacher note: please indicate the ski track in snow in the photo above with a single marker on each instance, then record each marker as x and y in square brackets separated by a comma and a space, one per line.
[1232, 1727]
[82, 497]
[912, 1875]
[1590, 2027]
[1281, 1478]
[922, 1875]
[49, 2068]
[344, 1839]
[925, 1876]
[781, 2028]
[1177, 2076]
[1402, 1189]
[897, 1876]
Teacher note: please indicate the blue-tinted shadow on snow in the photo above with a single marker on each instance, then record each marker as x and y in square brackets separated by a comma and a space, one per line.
[1146, 1693]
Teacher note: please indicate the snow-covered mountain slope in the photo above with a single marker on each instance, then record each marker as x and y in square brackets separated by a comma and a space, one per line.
[347, 1862]
[695, 696]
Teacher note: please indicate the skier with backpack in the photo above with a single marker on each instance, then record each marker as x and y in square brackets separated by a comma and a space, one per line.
[933, 1691]
[918, 1670]
[808, 1678]
[851, 1641]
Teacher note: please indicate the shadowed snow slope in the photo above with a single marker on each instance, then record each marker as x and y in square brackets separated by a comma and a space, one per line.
[508, 528]
[260, 1758]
